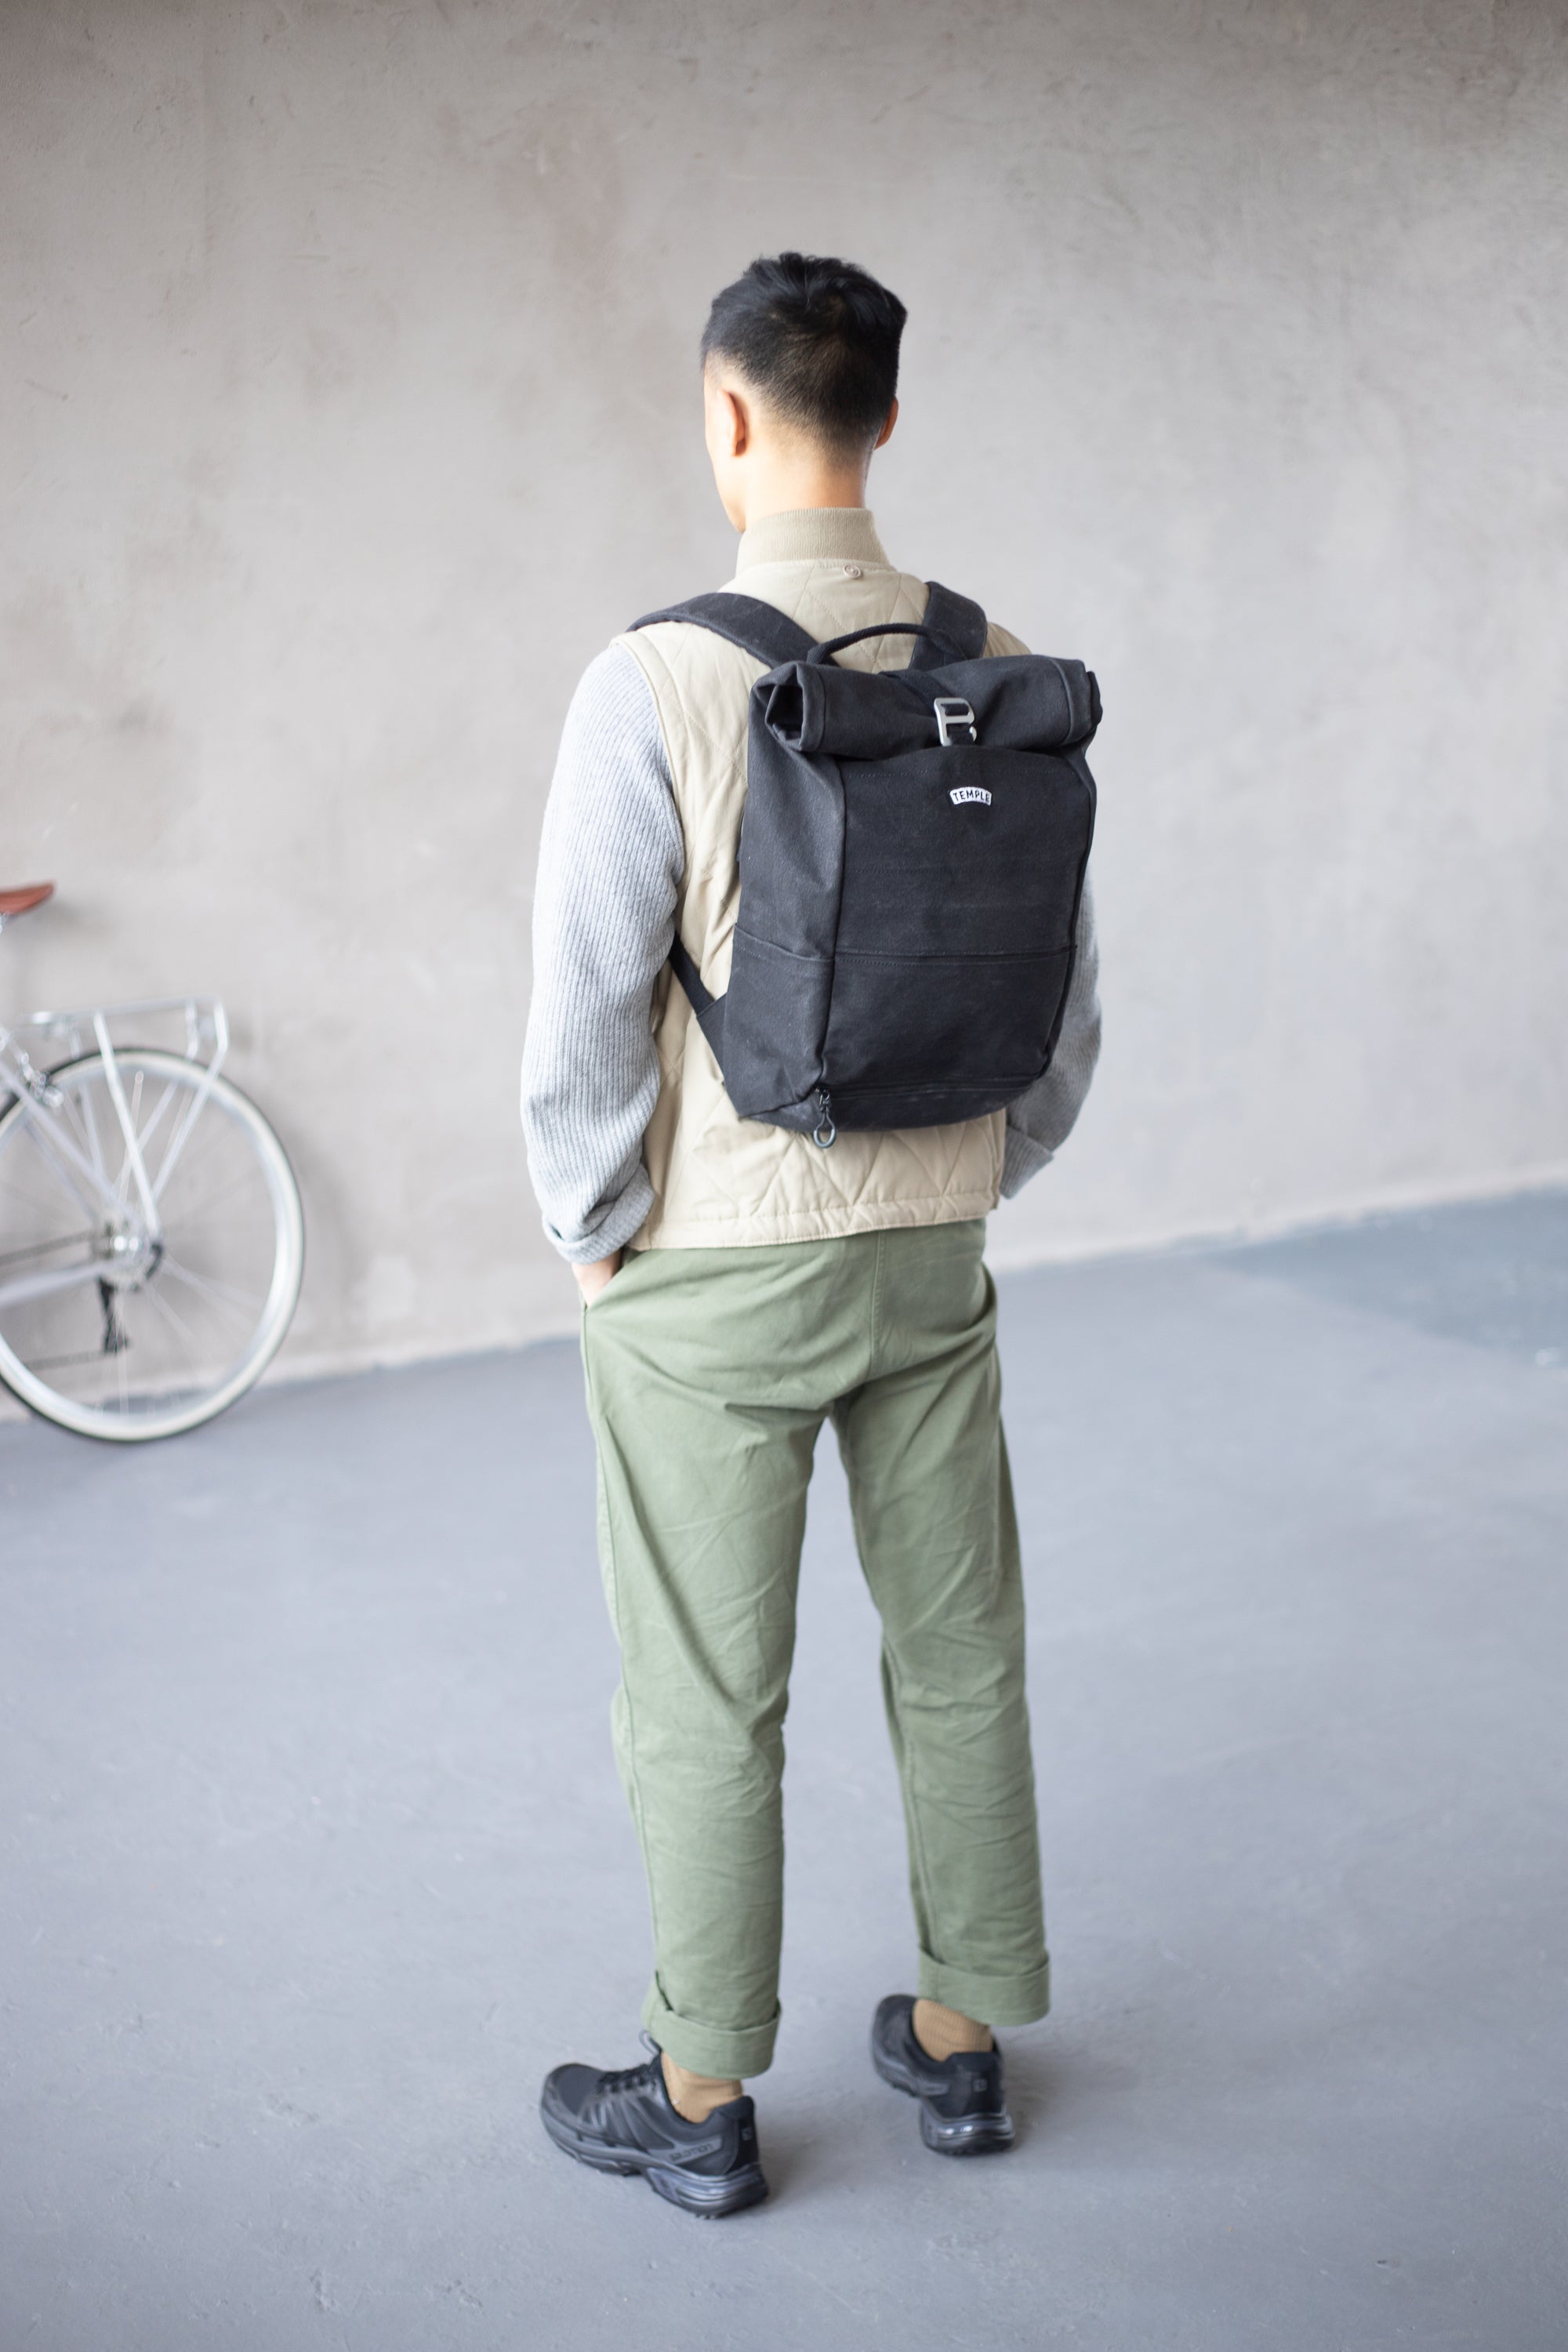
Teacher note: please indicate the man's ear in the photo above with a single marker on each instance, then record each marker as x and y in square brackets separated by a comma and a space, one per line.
[735, 424]
[886, 433]
[726, 427]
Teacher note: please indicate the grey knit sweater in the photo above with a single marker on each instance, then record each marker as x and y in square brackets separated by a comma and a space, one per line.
[610, 867]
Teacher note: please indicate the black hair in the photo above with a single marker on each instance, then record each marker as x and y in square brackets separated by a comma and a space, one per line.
[819, 339]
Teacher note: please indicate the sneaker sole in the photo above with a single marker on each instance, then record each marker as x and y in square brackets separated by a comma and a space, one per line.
[966, 2135]
[710, 2197]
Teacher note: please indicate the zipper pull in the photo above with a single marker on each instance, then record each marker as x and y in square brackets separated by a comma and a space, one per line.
[824, 1133]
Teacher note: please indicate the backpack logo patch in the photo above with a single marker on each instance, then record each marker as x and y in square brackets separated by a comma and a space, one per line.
[961, 793]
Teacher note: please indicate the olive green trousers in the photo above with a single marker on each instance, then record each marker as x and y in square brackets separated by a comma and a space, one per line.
[710, 1374]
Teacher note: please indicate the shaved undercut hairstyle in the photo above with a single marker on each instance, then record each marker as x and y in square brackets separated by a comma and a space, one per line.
[817, 339]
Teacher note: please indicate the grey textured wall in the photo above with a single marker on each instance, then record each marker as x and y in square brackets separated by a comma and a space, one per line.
[350, 406]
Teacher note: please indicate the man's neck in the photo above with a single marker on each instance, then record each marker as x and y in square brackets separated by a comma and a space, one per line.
[789, 489]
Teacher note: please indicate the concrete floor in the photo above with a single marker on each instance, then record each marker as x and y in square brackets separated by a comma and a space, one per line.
[317, 1860]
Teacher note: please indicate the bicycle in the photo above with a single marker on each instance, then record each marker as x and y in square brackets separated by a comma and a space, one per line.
[151, 1241]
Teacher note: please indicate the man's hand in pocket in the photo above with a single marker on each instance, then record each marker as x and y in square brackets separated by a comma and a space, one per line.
[592, 1279]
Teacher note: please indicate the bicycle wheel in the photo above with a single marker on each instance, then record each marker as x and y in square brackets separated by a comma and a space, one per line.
[104, 1328]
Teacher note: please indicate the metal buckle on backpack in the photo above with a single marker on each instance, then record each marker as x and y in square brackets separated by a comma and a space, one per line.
[951, 713]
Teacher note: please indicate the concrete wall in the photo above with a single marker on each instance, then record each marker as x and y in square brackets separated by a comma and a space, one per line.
[350, 406]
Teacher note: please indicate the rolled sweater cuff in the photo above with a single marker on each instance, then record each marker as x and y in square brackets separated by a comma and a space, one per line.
[610, 1232]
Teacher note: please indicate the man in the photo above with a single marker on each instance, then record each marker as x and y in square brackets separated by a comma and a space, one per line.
[741, 1286]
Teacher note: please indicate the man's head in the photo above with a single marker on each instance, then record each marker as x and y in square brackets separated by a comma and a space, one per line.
[800, 373]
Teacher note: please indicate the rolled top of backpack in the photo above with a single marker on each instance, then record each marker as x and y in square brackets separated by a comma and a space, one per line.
[1018, 703]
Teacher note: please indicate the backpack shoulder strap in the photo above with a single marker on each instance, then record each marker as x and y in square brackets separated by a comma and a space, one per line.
[771, 637]
[955, 623]
[708, 1009]
[760, 630]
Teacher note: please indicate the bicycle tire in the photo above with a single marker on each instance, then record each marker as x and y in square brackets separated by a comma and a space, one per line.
[245, 1122]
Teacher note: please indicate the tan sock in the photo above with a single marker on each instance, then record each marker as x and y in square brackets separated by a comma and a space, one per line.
[695, 2097]
[943, 2032]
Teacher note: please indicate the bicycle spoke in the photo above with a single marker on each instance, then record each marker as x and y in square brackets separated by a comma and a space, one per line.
[22, 1198]
[127, 1165]
[247, 1302]
[59, 1363]
[89, 1115]
[43, 1249]
[76, 1111]
[179, 1139]
[59, 1166]
[209, 1154]
[176, 1322]
[193, 1213]
[151, 1130]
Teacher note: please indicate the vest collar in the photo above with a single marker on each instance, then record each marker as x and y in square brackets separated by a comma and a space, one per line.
[813, 535]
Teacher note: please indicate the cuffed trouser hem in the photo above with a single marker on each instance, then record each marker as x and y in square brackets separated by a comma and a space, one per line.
[717, 2050]
[990, 2000]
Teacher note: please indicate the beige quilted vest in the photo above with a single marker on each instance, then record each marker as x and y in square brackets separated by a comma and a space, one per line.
[720, 1181]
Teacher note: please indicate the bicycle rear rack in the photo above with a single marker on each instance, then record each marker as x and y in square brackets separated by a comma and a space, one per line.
[67, 1036]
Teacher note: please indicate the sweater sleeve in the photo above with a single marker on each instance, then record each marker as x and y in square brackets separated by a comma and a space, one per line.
[1040, 1121]
[610, 864]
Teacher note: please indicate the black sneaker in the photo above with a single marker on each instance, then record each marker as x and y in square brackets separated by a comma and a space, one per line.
[962, 2110]
[624, 2123]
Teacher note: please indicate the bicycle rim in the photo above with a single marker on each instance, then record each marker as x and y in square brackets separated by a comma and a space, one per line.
[143, 1341]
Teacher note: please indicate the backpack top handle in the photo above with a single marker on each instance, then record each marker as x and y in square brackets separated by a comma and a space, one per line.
[955, 628]
[822, 654]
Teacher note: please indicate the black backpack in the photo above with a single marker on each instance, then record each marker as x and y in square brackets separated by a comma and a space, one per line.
[911, 859]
